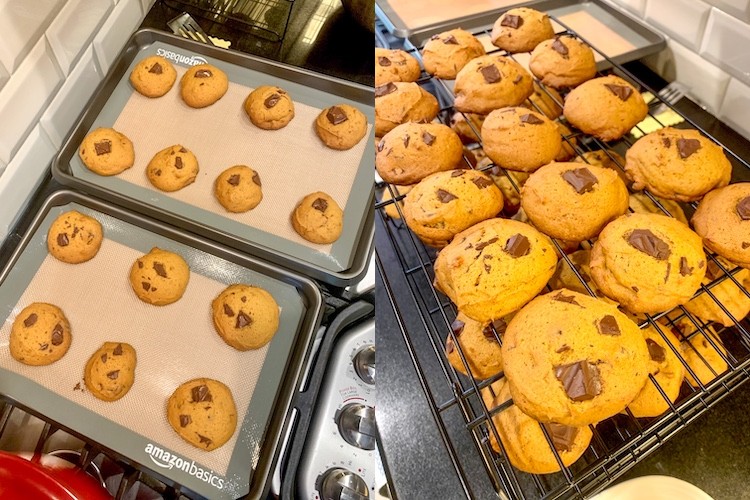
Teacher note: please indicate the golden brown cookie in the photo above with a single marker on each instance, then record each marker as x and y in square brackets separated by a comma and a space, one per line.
[727, 293]
[106, 151]
[74, 237]
[153, 76]
[341, 126]
[395, 66]
[572, 359]
[468, 126]
[491, 82]
[203, 85]
[703, 352]
[318, 218]
[566, 277]
[446, 53]
[391, 209]
[723, 221]
[608, 159]
[568, 142]
[480, 345]
[246, 317]
[269, 107]
[642, 204]
[172, 168]
[110, 371]
[40, 335]
[510, 184]
[238, 189]
[401, 102]
[545, 100]
[521, 29]
[202, 412]
[563, 62]
[160, 277]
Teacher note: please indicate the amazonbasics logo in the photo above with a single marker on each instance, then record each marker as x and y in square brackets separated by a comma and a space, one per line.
[167, 460]
[181, 58]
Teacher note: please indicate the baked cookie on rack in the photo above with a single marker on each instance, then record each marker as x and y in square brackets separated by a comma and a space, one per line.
[153, 76]
[401, 102]
[468, 126]
[269, 107]
[563, 62]
[160, 277]
[74, 237]
[608, 159]
[723, 221]
[246, 317]
[318, 218]
[642, 204]
[568, 142]
[480, 345]
[172, 168]
[105, 151]
[521, 29]
[40, 335]
[491, 82]
[390, 209]
[395, 66]
[203, 413]
[545, 100]
[703, 352]
[446, 53]
[238, 189]
[202, 85]
[731, 297]
[677, 164]
[341, 126]
[110, 371]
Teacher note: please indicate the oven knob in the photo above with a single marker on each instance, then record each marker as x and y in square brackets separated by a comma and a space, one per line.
[341, 484]
[364, 364]
[357, 425]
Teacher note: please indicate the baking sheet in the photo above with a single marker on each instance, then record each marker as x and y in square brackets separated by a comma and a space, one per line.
[174, 343]
[291, 162]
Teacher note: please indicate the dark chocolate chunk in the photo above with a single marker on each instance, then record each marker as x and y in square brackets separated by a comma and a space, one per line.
[158, 172]
[482, 182]
[648, 243]
[57, 334]
[62, 239]
[434, 37]
[234, 179]
[185, 420]
[320, 205]
[517, 79]
[457, 173]
[159, 268]
[45, 346]
[104, 357]
[685, 270]
[457, 327]
[228, 310]
[272, 100]
[103, 147]
[487, 267]
[580, 380]
[117, 351]
[449, 347]
[386, 89]
[687, 147]
[531, 119]
[200, 394]
[482, 244]
[336, 115]
[156, 69]
[743, 208]
[450, 40]
[256, 179]
[568, 299]
[182, 150]
[581, 179]
[445, 197]
[384, 61]
[667, 142]
[146, 285]
[204, 440]
[113, 374]
[499, 326]
[428, 138]
[243, 320]
[243, 299]
[407, 138]
[745, 244]
[178, 163]
[77, 387]
[655, 351]
[517, 246]
[621, 91]
[635, 288]
[560, 48]
[563, 348]
[491, 74]
[562, 436]
[669, 270]
[608, 325]
[203, 73]
[140, 265]
[713, 270]
[512, 21]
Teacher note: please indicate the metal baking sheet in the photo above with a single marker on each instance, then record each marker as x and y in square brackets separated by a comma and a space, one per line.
[174, 343]
[616, 34]
[222, 133]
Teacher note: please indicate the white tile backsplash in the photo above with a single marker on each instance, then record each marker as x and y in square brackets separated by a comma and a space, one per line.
[726, 44]
[4, 76]
[684, 20]
[737, 8]
[121, 23]
[75, 27]
[635, 6]
[735, 110]
[21, 24]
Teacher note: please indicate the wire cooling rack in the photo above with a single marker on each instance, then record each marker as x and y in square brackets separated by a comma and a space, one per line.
[619, 442]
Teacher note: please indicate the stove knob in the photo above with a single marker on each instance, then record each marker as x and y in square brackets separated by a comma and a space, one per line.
[341, 484]
[364, 364]
[357, 425]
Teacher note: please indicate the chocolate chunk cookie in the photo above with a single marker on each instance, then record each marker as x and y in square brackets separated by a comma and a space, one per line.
[172, 168]
[727, 293]
[74, 237]
[563, 62]
[545, 100]
[703, 352]
[468, 126]
[202, 412]
[110, 371]
[491, 82]
[159, 277]
[238, 189]
[521, 29]
[203, 85]
[401, 102]
[446, 53]
[341, 126]
[480, 345]
[246, 317]
[318, 218]
[153, 76]
[40, 335]
[723, 221]
[106, 151]
[395, 66]
[269, 107]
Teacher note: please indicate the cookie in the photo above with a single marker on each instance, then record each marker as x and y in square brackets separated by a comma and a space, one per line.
[570, 201]
[523, 439]
[520, 139]
[238, 189]
[153, 76]
[444, 204]
[318, 218]
[401, 102]
[246, 317]
[491, 82]
[702, 351]
[608, 159]
[563, 62]
[642, 204]
[545, 100]
[390, 209]
[606, 107]
[479, 343]
[446, 53]
[667, 371]
[677, 164]
[573, 278]
[341, 126]
[495, 267]
[723, 221]
[468, 126]
[160, 277]
[572, 359]
[269, 107]
[412, 151]
[510, 184]
[40, 335]
[172, 168]
[568, 142]
[74, 237]
[648, 263]
[106, 151]
[395, 66]
[202, 412]
[521, 29]
[731, 297]
[202, 85]
[110, 371]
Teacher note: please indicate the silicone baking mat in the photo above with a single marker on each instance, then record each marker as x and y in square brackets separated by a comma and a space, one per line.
[173, 343]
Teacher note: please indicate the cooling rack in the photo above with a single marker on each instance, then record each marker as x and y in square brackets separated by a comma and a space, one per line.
[619, 442]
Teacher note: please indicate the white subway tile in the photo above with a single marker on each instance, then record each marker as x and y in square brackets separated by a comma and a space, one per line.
[634, 6]
[726, 44]
[684, 20]
[4, 76]
[22, 23]
[22, 176]
[116, 30]
[25, 96]
[147, 4]
[72, 98]
[737, 8]
[74, 28]
[735, 110]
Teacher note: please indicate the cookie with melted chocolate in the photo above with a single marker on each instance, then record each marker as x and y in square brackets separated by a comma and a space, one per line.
[203, 413]
[246, 317]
